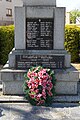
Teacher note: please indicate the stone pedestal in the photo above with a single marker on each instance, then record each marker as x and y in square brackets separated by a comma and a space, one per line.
[66, 81]
[39, 40]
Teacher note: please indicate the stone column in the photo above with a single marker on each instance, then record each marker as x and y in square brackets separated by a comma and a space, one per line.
[59, 23]
[20, 28]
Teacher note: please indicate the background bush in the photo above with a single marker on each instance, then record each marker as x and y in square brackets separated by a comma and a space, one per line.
[72, 37]
[72, 42]
[6, 42]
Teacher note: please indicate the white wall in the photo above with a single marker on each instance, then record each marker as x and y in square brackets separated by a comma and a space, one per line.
[3, 5]
[10, 5]
[16, 3]
[67, 17]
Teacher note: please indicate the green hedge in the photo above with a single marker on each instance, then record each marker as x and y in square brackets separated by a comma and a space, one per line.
[72, 40]
[72, 37]
[6, 42]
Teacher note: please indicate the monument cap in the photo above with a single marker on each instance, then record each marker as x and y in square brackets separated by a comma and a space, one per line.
[39, 2]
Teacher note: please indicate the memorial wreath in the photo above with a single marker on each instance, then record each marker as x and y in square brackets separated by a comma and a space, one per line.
[39, 85]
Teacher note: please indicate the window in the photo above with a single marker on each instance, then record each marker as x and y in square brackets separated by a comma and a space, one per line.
[8, 12]
[9, 0]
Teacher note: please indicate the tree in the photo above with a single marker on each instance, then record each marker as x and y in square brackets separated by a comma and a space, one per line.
[73, 15]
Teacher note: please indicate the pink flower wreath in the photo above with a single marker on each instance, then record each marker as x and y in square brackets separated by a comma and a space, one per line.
[39, 85]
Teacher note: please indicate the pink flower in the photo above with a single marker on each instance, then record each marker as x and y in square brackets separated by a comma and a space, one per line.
[31, 79]
[50, 93]
[50, 78]
[38, 96]
[50, 85]
[33, 85]
[36, 91]
[32, 90]
[33, 74]
[29, 84]
[44, 94]
[45, 77]
[36, 81]
[42, 72]
[32, 96]
[29, 74]
[44, 84]
[48, 88]
[40, 81]
[40, 102]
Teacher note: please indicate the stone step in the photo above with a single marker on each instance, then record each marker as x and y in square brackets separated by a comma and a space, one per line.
[13, 98]
[59, 99]
[70, 99]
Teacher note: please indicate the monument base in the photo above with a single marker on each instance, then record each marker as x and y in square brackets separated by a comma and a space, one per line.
[24, 59]
[66, 83]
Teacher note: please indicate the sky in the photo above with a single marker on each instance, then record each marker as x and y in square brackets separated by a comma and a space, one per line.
[69, 4]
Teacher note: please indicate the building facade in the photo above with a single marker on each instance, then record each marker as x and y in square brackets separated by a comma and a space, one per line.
[7, 11]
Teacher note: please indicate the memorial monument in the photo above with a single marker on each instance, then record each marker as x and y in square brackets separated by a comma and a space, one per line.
[39, 40]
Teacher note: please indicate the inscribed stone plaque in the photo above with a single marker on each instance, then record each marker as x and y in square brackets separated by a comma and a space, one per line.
[39, 33]
[47, 61]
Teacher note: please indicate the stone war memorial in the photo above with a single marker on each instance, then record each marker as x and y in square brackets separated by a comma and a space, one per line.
[39, 40]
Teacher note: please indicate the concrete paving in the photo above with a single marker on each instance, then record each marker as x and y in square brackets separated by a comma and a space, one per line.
[24, 111]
